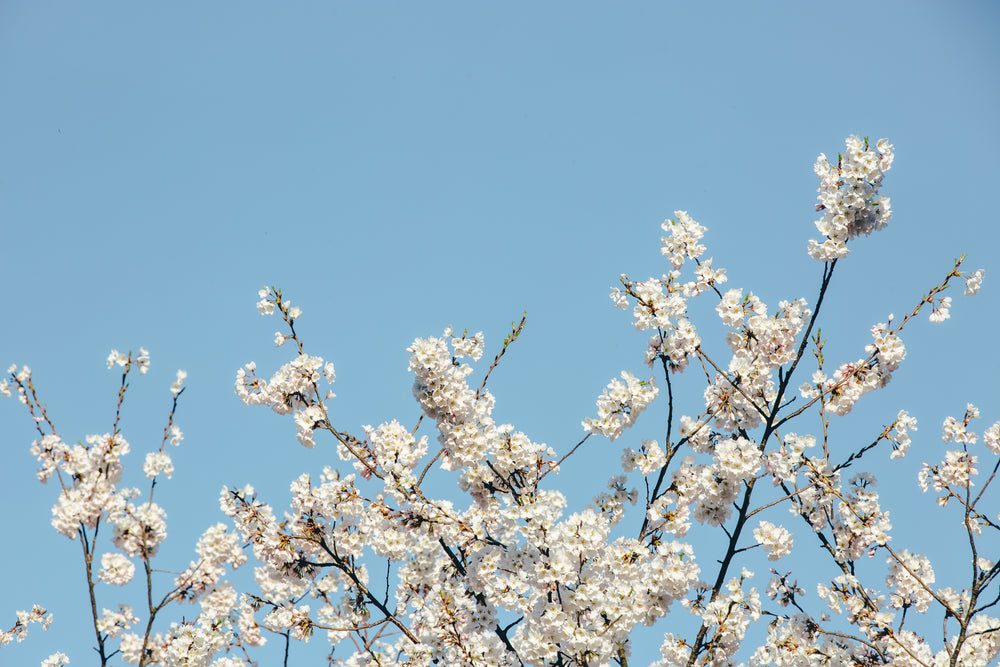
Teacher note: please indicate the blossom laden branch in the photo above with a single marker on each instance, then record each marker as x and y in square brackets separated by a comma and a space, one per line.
[509, 575]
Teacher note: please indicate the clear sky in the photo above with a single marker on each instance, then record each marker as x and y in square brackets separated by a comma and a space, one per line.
[401, 167]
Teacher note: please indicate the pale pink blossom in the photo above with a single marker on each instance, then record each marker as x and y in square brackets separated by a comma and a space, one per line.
[973, 282]
[776, 540]
[116, 569]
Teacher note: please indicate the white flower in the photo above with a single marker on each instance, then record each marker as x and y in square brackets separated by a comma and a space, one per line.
[178, 384]
[265, 306]
[731, 308]
[156, 463]
[649, 459]
[973, 282]
[113, 622]
[683, 240]
[901, 434]
[19, 632]
[939, 310]
[227, 661]
[619, 298]
[889, 347]
[116, 569]
[466, 346]
[116, 357]
[140, 528]
[621, 404]
[143, 360]
[849, 197]
[957, 431]
[910, 589]
[991, 438]
[306, 421]
[59, 659]
[776, 539]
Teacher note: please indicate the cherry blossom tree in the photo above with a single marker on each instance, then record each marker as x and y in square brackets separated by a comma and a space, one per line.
[501, 572]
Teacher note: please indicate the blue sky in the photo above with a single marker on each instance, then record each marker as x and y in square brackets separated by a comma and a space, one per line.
[401, 168]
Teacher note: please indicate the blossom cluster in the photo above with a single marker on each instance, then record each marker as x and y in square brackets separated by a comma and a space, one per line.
[621, 404]
[19, 631]
[89, 475]
[849, 196]
[661, 303]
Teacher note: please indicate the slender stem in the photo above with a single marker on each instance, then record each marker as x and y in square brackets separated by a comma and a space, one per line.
[88, 560]
[669, 455]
